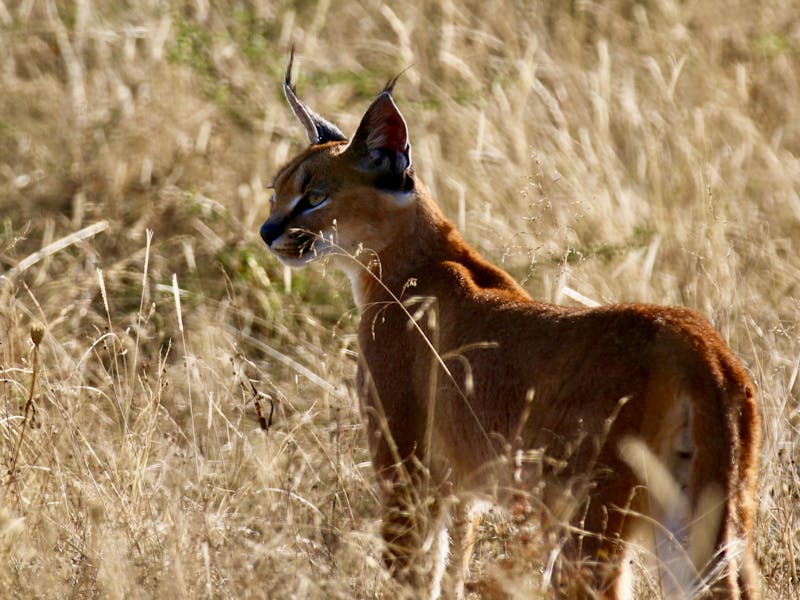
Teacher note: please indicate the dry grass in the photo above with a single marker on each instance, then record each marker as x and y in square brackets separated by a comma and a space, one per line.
[624, 151]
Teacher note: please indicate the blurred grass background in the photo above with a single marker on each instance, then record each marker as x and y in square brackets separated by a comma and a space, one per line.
[617, 151]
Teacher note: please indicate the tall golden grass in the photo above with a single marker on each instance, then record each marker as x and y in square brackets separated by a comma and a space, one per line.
[600, 151]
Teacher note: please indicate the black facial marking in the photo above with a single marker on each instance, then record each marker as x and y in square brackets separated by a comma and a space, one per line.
[273, 227]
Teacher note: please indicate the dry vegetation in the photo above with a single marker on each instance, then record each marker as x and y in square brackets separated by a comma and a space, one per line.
[626, 151]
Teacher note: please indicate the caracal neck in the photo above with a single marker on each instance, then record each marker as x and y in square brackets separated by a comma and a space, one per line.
[423, 240]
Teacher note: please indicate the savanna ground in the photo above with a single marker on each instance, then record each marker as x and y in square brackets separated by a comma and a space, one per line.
[608, 151]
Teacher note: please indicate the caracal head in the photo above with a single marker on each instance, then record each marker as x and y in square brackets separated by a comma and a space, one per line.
[340, 196]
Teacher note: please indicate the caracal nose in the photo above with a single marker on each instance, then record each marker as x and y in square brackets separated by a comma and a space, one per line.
[271, 231]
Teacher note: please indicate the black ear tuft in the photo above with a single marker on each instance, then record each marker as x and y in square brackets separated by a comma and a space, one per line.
[318, 130]
[389, 87]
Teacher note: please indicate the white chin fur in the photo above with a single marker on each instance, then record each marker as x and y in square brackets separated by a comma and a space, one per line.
[319, 250]
[295, 261]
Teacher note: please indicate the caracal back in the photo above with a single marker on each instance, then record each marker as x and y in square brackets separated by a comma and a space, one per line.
[622, 426]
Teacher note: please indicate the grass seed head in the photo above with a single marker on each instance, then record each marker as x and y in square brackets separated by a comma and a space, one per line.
[37, 333]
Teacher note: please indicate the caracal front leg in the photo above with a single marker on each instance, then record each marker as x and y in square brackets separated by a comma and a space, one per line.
[464, 520]
[410, 495]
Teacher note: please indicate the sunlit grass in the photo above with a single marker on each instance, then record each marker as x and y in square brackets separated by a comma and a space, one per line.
[613, 151]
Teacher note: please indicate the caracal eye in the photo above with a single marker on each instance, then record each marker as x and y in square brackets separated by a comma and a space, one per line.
[316, 198]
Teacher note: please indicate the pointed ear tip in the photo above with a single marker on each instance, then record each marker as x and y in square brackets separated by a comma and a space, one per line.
[287, 78]
[386, 96]
[384, 112]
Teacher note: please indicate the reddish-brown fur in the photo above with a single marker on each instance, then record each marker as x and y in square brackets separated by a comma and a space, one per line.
[461, 370]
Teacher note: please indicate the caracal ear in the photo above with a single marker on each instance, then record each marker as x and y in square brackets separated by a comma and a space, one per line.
[318, 130]
[380, 144]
